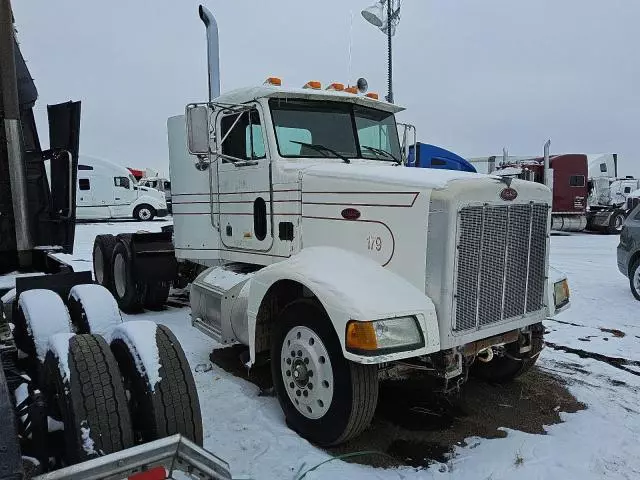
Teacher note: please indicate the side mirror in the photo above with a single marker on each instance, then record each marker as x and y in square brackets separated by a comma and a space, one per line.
[197, 118]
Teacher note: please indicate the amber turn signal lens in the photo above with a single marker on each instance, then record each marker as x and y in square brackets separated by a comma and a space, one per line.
[373, 95]
[313, 84]
[275, 81]
[361, 336]
[336, 86]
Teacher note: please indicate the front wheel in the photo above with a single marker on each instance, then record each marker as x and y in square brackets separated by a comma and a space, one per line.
[325, 398]
[144, 213]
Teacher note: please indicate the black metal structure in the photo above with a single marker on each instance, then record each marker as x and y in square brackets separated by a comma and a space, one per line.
[51, 198]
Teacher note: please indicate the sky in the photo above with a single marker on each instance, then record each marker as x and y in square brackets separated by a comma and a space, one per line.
[475, 76]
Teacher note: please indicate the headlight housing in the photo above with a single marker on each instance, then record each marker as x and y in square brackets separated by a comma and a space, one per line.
[383, 336]
[561, 293]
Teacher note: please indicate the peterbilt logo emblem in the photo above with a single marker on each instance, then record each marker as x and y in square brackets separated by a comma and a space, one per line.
[351, 214]
[509, 194]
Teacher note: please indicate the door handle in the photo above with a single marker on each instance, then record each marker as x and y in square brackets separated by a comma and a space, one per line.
[117, 198]
[247, 163]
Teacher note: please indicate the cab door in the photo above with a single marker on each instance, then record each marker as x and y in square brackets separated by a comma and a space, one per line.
[244, 185]
[123, 191]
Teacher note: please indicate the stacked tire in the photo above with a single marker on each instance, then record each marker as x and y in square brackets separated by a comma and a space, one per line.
[111, 384]
[113, 269]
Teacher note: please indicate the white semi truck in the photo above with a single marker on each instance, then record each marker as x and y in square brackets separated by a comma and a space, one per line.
[315, 248]
[106, 190]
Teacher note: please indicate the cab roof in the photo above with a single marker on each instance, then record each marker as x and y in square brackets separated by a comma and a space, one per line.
[248, 94]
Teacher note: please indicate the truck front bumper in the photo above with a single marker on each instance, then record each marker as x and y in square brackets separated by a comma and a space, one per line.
[163, 212]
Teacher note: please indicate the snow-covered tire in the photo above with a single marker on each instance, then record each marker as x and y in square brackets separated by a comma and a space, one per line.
[155, 295]
[162, 391]
[103, 246]
[93, 309]
[616, 221]
[40, 314]
[125, 289]
[144, 213]
[511, 365]
[84, 384]
[332, 399]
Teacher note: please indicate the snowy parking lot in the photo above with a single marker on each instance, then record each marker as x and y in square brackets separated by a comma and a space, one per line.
[577, 415]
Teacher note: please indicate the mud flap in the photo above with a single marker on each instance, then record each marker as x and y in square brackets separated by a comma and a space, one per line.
[153, 257]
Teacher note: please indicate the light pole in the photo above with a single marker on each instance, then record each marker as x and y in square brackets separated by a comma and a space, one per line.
[385, 15]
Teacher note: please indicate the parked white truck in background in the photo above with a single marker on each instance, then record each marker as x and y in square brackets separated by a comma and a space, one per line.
[106, 190]
[159, 183]
[317, 249]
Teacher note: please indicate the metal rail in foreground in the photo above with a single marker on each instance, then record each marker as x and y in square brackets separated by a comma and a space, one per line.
[174, 453]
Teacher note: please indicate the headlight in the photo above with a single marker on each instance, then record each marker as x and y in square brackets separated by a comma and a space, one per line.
[383, 336]
[561, 293]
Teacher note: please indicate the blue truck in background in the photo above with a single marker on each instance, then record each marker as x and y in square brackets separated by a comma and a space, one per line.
[431, 156]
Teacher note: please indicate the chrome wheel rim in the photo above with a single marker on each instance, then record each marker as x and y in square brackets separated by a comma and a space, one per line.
[98, 266]
[119, 275]
[144, 214]
[306, 371]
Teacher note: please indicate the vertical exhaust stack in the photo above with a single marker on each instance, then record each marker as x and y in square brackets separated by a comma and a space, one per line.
[547, 179]
[213, 51]
[13, 132]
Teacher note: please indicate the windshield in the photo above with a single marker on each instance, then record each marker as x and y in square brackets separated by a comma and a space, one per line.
[352, 131]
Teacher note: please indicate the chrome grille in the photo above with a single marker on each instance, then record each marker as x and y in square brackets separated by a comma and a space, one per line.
[500, 264]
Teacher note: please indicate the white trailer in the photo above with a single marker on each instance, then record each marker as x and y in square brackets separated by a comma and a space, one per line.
[106, 190]
[317, 250]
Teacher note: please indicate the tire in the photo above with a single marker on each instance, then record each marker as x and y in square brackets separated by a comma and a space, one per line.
[504, 368]
[616, 221]
[89, 394]
[163, 403]
[93, 309]
[155, 295]
[40, 314]
[103, 247]
[125, 289]
[144, 213]
[634, 279]
[347, 392]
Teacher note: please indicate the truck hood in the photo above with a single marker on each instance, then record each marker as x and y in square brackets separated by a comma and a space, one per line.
[388, 174]
[152, 192]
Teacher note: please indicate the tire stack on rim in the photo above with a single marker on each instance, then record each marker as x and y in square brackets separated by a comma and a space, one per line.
[113, 269]
[112, 384]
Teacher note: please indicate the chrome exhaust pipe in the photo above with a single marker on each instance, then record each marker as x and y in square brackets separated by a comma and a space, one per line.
[213, 51]
[486, 355]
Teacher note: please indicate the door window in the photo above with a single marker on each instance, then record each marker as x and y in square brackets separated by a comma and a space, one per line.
[244, 140]
[121, 182]
[576, 181]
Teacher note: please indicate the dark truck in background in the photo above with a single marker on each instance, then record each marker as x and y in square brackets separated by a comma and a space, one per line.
[586, 194]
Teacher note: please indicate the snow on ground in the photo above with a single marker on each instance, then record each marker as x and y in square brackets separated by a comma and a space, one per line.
[249, 431]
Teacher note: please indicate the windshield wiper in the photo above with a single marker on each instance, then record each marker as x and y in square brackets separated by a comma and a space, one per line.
[322, 148]
[380, 151]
